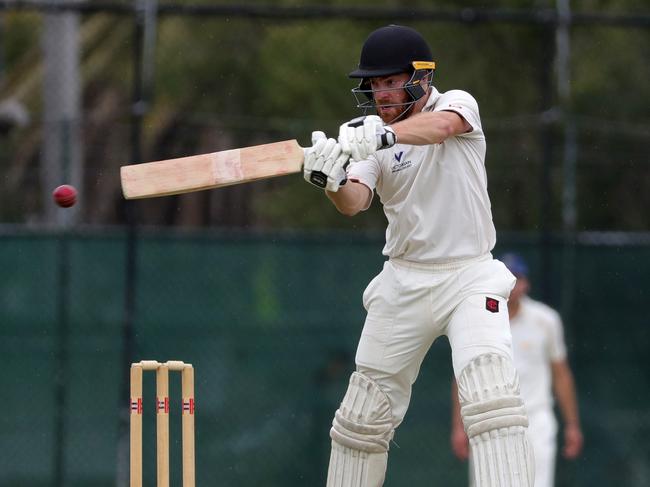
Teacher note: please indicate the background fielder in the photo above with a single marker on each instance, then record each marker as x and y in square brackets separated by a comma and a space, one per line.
[424, 155]
[541, 361]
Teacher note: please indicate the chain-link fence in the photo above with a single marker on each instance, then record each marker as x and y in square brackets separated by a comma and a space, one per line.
[88, 86]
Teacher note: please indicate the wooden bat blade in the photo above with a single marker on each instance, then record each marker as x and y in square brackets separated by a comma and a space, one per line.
[213, 170]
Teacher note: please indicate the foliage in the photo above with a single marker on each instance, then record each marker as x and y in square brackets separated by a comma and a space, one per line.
[223, 82]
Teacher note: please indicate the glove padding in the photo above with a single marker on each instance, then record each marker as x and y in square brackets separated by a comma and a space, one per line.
[325, 163]
[364, 136]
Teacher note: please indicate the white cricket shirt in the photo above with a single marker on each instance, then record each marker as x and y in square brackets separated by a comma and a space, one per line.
[537, 341]
[434, 196]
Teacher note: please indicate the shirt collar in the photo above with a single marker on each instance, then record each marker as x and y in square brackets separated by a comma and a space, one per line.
[433, 98]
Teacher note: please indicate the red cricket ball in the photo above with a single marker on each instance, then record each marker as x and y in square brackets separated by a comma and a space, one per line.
[65, 195]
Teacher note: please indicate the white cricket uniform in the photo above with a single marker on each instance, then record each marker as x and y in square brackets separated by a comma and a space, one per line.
[538, 341]
[440, 278]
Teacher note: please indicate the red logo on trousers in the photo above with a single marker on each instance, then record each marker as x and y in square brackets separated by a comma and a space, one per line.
[492, 305]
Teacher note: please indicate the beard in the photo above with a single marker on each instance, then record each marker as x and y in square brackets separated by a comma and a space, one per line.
[391, 113]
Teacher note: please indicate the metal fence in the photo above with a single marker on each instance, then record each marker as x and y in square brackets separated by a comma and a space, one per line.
[88, 86]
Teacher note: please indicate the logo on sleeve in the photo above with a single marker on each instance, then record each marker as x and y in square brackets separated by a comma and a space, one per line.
[398, 163]
[492, 305]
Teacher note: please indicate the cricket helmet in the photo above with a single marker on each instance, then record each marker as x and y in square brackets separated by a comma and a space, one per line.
[515, 264]
[391, 50]
[394, 49]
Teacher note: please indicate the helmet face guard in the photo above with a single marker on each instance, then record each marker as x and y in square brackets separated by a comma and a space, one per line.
[416, 87]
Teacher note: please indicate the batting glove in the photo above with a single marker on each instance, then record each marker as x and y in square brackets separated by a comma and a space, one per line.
[364, 136]
[325, 163]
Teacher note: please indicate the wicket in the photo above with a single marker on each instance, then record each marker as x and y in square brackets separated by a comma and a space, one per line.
[162, 420]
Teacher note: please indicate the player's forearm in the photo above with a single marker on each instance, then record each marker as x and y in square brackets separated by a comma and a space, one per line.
[456, 419]
[566, 396]
[427, 128]
[351, 198]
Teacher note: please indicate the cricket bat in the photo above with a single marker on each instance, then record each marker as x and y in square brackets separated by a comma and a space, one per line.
[213, 170]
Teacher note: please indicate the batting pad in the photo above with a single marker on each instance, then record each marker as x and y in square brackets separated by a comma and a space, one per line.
[495, 420]
[361, 432]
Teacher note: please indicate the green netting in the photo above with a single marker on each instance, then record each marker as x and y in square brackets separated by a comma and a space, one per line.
[271, 323]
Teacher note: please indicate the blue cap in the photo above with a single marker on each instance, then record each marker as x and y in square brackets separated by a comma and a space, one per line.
[515, 264]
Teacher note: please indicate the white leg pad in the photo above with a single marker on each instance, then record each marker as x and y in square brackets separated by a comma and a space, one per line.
[496, 423]
[361, 432]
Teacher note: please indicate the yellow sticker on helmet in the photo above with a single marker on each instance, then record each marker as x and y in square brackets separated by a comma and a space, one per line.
[424, 65]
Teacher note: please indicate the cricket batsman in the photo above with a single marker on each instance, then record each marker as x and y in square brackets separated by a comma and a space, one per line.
[424, 156]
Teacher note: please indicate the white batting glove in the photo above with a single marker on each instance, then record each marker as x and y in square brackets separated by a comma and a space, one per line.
[325, 163]
[364, 136]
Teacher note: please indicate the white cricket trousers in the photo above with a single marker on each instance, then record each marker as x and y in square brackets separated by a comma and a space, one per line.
[542, 434]
[409, 305]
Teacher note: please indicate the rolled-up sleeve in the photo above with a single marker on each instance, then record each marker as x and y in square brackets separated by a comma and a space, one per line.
[463, 104]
